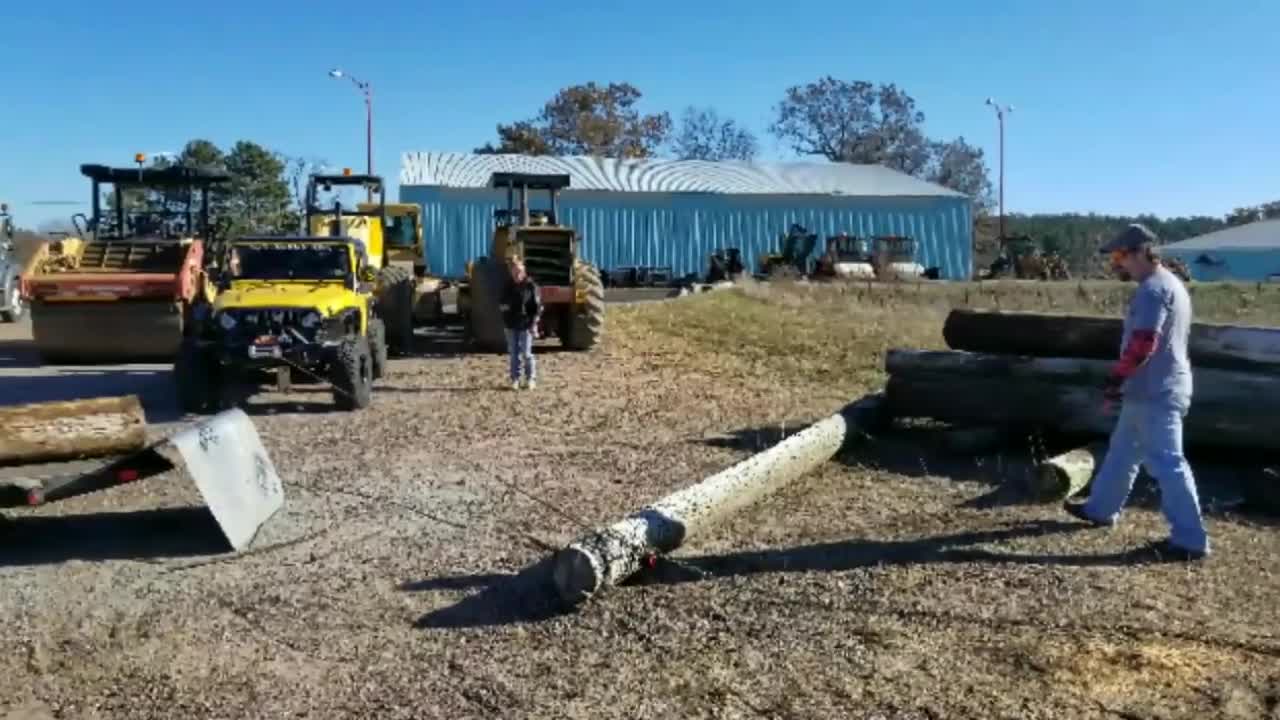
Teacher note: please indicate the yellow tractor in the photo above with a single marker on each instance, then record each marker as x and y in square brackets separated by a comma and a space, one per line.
[571, 289]
[392, 238]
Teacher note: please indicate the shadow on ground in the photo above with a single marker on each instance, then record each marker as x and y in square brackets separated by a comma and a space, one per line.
[137, 535]
[858, 553]
[1230, 486]
[525, 597]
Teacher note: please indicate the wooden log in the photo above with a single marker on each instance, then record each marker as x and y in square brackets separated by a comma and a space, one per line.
[1229, 410]
[608, 556]
[974, 440]
[1229, 347]
[70, 430]
[1064, 475]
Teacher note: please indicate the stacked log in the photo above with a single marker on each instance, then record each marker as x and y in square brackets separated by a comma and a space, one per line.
[1019, 372]
[71, 430]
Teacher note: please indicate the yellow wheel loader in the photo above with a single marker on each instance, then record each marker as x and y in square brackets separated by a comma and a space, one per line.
[392, 238]
[570, 288]
[123, 288]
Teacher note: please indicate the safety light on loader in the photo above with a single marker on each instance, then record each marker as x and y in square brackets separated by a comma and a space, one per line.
[346, 171]
[139, 158]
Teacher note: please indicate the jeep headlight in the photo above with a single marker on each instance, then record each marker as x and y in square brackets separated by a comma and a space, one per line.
[310, 319]
[226, 321]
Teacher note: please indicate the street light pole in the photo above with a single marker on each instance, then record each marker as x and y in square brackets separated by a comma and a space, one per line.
[1000, 111]
[367, 90]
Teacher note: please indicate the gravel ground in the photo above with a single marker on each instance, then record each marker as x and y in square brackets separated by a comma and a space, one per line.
[400, 579]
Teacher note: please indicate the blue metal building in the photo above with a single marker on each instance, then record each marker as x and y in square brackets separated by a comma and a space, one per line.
[675, 213]
[1243, 253]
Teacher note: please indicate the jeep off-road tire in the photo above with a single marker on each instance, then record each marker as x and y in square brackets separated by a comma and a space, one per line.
[378, 346]
[485, 326]
[586, 322]
[353, 374]
[396, 308]
[194, 378]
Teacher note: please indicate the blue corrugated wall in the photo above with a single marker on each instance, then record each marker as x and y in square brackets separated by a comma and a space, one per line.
[1242, 264]
[681, 230]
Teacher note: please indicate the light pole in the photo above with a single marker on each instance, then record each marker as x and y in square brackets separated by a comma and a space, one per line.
[1000, 111]
[367, 90]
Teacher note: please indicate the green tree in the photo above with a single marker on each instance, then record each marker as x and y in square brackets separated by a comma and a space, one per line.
[258, 199]
[860, 122]
[588, 119]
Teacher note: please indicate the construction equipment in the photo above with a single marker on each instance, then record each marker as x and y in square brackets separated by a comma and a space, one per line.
[894, 257]
[725, 265]
[797, 245]
[1177, 267]
[12, 305]
[846, 257]
[287, 305]
[404, 248]
[1022, 255]
[123, 288]
[386, 240]
[570, 288]
[223, 456]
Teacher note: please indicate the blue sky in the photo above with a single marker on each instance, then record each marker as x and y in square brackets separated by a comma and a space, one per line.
[1133, 106]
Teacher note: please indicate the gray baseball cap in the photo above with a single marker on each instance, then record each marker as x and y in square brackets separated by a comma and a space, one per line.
[1130, 239]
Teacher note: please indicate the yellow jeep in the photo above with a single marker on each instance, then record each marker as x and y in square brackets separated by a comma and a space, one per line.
[287, 306]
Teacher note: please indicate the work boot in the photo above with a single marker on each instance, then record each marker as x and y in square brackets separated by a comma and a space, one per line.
[515, 384]
[531, 384]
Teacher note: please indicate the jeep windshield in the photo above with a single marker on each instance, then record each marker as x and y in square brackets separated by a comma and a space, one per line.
[289, 261]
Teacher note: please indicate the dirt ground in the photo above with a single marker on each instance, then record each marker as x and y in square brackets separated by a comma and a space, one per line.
[401, 580]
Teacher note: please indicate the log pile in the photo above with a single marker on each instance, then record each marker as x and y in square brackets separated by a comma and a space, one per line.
[1018, 373]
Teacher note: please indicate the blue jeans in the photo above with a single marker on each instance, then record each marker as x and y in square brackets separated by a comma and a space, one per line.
[520, 347]
[1150, 434]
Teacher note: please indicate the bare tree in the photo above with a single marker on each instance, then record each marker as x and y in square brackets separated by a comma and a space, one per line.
[704, 135]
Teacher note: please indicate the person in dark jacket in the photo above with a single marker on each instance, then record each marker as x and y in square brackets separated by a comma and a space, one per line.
[521, 312]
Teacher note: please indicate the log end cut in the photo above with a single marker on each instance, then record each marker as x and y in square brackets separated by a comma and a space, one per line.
[1062, 476]
[577, 574]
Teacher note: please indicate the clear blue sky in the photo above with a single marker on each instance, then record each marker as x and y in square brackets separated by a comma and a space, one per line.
[1120, 106]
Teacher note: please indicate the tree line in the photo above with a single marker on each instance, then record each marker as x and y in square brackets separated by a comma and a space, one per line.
[843, 121]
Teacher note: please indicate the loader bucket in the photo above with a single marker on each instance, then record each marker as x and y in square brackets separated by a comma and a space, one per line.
[110, 331]
[222, 455]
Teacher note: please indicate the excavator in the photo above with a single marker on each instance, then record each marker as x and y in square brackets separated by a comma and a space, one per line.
[122, 289]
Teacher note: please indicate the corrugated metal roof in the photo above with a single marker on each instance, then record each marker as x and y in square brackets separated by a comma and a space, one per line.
[465, 170]
[1261, 235]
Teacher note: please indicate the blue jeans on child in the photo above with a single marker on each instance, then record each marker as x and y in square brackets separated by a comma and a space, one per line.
[1149, 433]
[520, 347]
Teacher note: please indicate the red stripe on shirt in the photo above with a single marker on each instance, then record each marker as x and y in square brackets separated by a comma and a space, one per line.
[1142, 343]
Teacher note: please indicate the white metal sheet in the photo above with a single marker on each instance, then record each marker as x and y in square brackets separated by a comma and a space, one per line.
[233, 472]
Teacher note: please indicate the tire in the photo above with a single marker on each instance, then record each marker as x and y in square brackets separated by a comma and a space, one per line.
[484, 317]
[396, 308]
[353, 374]
[586, 323]
[17, 310]
[193, 379]
[378, 346]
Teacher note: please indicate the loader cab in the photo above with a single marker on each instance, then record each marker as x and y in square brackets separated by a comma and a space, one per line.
[402, 236]
[339, 215]
[549, 249]
[149, 204]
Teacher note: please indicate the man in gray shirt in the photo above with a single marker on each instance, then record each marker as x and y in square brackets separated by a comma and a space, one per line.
[1153, 376]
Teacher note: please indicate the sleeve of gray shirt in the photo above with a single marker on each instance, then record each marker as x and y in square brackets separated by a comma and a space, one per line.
[1151, 306]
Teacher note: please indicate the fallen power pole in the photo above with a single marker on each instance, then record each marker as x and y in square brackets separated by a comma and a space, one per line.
[608, 556]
